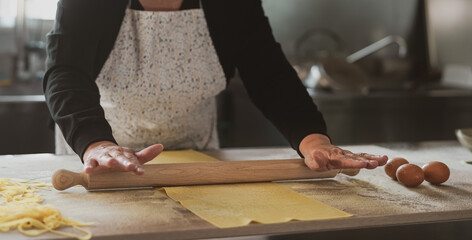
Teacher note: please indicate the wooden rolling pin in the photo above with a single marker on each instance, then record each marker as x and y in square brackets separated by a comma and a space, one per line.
[181, 174]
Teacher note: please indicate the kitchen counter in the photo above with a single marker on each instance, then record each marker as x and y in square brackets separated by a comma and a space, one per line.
[430, 113]
[379, 204]
[25, 123]
[394, 116]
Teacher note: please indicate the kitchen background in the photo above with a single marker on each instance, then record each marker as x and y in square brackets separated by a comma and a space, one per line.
[416, 87]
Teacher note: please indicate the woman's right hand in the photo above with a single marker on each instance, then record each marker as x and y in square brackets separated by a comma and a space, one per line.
[105, 156]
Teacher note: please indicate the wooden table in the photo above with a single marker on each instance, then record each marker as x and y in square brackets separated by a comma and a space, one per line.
[381, 207]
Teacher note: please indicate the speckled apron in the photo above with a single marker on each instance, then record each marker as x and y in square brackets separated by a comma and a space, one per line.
[160, 81]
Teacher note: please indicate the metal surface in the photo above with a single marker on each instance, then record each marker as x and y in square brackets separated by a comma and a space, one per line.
[341, 74]
[22, 98]
[357, 23]
[24, 125]
[395, 116]
[376, 46]
[381, 116]
[337, 74]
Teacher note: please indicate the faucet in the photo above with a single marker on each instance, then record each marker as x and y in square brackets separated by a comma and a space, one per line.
[374, 47]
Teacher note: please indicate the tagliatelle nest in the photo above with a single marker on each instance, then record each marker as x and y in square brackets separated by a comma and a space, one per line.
[20, 208]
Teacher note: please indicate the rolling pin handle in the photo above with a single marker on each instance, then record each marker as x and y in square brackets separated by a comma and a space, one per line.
[350, 171]
[64, 179]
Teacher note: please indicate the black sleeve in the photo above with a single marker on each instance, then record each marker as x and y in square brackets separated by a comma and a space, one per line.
[76, 49]
[271, 81]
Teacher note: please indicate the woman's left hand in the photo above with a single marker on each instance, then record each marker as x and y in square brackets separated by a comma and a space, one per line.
[321, 155]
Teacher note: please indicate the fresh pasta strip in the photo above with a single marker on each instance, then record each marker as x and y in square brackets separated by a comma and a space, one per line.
[20, 208]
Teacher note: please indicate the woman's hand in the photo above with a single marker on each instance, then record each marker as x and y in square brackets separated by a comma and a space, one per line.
[105, 156]
[321, 155]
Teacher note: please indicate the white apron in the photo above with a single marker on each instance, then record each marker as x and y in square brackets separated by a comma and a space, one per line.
[160, 81]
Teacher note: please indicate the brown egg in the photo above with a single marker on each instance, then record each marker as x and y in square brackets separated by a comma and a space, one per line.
[392, 166]
[436, 172]
[410, 175]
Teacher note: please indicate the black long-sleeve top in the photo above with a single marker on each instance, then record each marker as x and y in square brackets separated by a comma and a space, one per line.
[84, 34]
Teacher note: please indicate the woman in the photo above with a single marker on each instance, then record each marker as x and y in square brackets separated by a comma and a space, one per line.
[124, 75]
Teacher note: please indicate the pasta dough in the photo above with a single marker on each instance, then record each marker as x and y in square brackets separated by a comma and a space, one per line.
[20, 208]
[183, 156]
[235, 205]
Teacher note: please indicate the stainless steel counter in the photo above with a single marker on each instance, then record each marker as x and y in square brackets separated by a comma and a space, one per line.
[395, 116]
[380, 116]
[25, 125]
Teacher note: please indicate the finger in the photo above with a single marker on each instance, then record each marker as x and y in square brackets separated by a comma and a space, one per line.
[149, 153]
[347, 161]
[129, 153]
[381, 159]
[105, 160]
[374, 160]
[135, 166]
[90, 165]
[318, 161]
[370, 164]
[108, 161]
[126, 161]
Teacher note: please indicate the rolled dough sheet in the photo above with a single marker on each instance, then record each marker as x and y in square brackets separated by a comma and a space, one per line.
[183, 156]
[235, 205]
